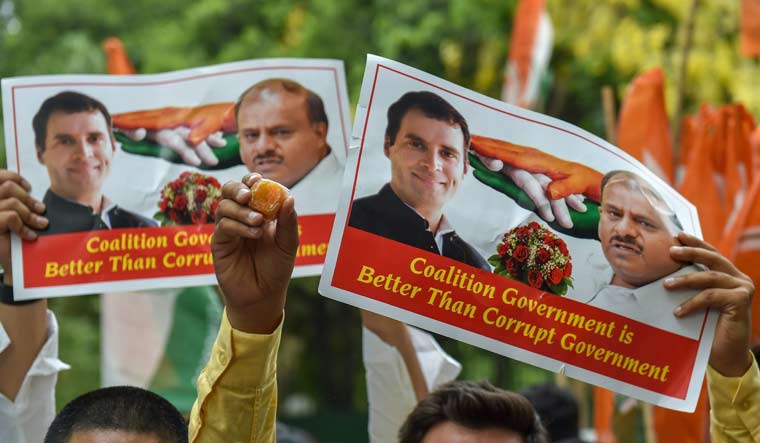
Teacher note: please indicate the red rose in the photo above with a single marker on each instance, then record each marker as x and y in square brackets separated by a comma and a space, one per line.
[184, 175]
[180, 202]
[174, 216]
[521, 253]
[163, 204]
[562, 246]
[568, 269]
[543, 255]
[200, 194]
[199, 217]
[176, 185]
[502, 249]
[557, 275]
[211, 181]
[512, 267]
[522, 233]
[214, 206]
[535, 279]
[533, 225]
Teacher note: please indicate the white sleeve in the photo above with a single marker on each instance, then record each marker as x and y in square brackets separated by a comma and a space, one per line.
[389, 388]
[27, 419]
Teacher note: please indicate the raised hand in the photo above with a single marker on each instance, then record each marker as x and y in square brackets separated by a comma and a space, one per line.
[253, 258]
[725, 289]
[19, 213]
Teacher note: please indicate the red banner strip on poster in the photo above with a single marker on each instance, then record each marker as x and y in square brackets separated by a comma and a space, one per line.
[514, 313]
[127, 254]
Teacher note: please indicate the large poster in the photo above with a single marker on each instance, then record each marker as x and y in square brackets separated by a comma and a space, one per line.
[130, 168]
[517, 233]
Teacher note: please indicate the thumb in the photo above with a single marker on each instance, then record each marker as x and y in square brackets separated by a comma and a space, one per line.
[286, 235]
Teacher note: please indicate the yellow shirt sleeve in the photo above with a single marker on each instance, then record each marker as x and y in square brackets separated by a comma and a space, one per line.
[237, 390]
[735, 406]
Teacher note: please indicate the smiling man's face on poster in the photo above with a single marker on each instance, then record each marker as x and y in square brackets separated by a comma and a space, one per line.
[77, 152]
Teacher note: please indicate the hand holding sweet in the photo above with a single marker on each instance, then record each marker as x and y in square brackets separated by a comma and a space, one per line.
[253, 257]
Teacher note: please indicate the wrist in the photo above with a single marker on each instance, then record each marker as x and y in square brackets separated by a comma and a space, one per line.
[257, 318]
[6, 294]
[732, 367]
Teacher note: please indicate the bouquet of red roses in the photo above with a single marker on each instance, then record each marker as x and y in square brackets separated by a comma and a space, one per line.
[534, 255]
[191, 199]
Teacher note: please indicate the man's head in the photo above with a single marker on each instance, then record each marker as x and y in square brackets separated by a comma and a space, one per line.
[118, 414]
[282, 129]
[637, 229]
[426, 141]
[464, 412]
[74, 141]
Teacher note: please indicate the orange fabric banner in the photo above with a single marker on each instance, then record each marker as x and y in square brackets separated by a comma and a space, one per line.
[643, 129]
[750, 28]
[117, 60]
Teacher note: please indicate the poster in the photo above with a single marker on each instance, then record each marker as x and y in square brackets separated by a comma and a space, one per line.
[133, 208]
[441, 224]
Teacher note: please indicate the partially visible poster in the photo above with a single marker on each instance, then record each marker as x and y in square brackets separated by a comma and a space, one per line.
[517, 233]
[130, 168]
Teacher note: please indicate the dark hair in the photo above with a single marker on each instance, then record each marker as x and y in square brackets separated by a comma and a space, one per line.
[557, 408]
[432, 106]
[645, 188]
[68, 102]
[119, 408]
[476, 406]
[315, 108]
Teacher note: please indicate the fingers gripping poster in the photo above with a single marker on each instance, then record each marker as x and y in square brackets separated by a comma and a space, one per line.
[130, 168]
[517, 233]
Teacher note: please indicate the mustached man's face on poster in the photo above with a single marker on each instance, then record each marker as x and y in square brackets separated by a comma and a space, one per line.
[636, 232]
[427, 161]
[77, 152]
[278, 137]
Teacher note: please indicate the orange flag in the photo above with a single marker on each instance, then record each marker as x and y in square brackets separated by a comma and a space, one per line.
[742, 245]
[699, 183]
[117, 60]
[604, 412]
[754, 144]
[643, 129]
[682, 427]
[750, 28]
[530, 48]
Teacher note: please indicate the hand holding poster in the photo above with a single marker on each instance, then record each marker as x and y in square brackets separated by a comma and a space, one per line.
[130, 168]
[517, 233]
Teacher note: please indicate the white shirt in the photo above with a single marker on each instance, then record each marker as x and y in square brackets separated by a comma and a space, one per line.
[389, 388]
[26, 420]
[319, 190]
[652, 304]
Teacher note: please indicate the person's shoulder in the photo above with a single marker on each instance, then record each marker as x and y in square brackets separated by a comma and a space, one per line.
[364, 210]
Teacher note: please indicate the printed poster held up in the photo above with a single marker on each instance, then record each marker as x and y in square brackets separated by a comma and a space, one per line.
[465, 242]
[133, 208]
